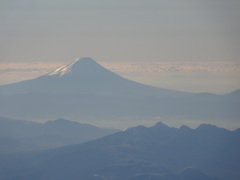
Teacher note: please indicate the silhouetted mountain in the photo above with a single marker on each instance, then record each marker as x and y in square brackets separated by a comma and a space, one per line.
[85, 90]
[234, 94]
[19, 135]
[85, 76]
[157, 152]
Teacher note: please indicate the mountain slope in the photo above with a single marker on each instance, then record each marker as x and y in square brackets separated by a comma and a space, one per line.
[19, 135]
[158, 152]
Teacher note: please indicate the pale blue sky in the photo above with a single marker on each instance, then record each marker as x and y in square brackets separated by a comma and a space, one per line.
[111, 30]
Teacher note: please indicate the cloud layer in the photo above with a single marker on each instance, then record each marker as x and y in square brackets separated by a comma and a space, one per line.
[218, 77]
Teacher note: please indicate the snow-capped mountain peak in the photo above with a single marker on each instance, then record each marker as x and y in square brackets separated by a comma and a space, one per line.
[63, 70]
[74, 67]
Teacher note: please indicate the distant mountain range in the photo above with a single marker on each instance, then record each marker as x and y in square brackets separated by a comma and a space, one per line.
[85, 90]
[19, 135]
[140, 153]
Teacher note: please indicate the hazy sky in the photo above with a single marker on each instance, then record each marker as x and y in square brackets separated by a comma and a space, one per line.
[126, 30]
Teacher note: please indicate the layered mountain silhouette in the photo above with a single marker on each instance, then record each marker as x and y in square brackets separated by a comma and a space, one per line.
[157, 152]
[84, 89]
[20, 135]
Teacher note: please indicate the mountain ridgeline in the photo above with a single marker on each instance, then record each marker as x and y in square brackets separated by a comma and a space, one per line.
[84, 89]
[19, 135]
[140, 153]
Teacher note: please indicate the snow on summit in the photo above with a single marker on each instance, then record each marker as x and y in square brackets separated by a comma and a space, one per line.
[74, 67]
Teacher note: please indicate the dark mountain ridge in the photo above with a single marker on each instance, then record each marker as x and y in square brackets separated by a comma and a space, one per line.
[157, 152]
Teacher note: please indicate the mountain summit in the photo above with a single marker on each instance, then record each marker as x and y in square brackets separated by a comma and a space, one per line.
[78, 67]
[84, 72]
[82, 76]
